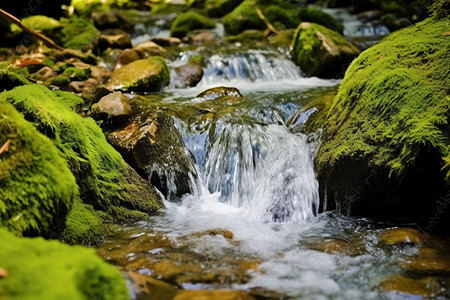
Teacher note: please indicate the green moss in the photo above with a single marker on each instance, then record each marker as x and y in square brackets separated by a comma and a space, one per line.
[241, 18]
[393, 102]
[441, 9]
[247, 37]
[166, 8]
[322, 104]
[144, 75]
[76, 74]
[78, 33]
[41, 23]
[9, 80]
[40, 269]
[219, 8]
[197, 59]
[322, 18]
[59, 81]
[36, 186]
[188, 21]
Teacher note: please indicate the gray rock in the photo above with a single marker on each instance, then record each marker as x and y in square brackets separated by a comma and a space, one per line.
[115, 107]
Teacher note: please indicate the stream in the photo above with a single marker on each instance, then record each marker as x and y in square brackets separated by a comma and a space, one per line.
[252, 222]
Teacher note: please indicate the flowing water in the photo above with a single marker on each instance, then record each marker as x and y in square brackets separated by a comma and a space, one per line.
[252, 222]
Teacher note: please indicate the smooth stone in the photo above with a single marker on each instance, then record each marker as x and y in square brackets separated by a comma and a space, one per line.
[150, 48]
[428, 260]
[44, 73]
[401, 236]
[95, 93]
[204, 38]
[426, 287]
[190, 74]
[115, 106]
[167, 42]
[113, 38]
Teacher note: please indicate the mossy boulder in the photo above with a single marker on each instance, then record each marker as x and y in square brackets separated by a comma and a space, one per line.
[100, 172]
[143, 75]
[314, 15]
[321, 52]
[37, 188]
[241, 18]
[78, 33]
[40, 269]
[385, 149]
[9, 80]
[219, 8]
[41, 23]
[188, 21]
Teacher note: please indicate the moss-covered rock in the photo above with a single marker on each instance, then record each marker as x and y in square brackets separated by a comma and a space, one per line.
[9, 80]
[314, 15]
[101, 174]
[188, 21]
[41, 23]
[144, 75]
[385, 149]
[39, 269]
[78, 33]
[36, 186]
[321, 52]
[219, 8]
[241, 18]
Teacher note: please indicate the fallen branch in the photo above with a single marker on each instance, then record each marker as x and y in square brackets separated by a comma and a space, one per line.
[264, 19]
[5, 147]
[38, 35]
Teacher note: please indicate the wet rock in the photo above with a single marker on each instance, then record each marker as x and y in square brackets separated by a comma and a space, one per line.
[149, 288]
[212, 295]
[322, 52]
[217, 231]
[99, 73]
[405, 286]
[188, 21]
[128, 56]
[167, 42]
[189, 74]
[154, 147]
[220, 91]
[144, 75]
[429, 260]
[95, 93]
[401, 236]
[370, 15]
[110, 20]
[113, 38]
[78, 87]
[338, 246]
[150, 48]
[115, 107]
[44, 74]
[217, 9]
[204, 38]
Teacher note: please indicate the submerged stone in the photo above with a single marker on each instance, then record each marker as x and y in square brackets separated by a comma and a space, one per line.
[212, 294]
[403, 286]
[218, 92]
[322, 52]
[401, 236]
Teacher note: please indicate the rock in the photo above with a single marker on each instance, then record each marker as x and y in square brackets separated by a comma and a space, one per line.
[111, 20]
[99, 73]
[78, 87]
[78, 33]
[189, 74]
[9, 80]
[220, 91]
[385, 163]
[212, 294]
[314, 15]
[370, 15]
[154, 147]
[150, 48]
[203, 38]
[401, 236]
[147, 287]
[243, 17]
[428, 260]
[58, 271]
[113, 38]
[215, 8]
[217, 231]
[188, 21]
[338, 246]
[428, 287]
[127, 56]
[95, 93]
[3, 273]
[144, 75]
[115, 107]
[322, 52]
[167, 42]
[41, 23]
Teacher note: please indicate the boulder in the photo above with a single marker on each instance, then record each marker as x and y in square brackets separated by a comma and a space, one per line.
[150, 48]
[154, 147]
[113, 38]
[188, 21]
[115, 107]
[189, 74]
[219, 8]
[243, 17]
[321, 52]
[218, 92]
[203, 38]
[143, 75]
[111, 20]
[127, 56]
[384, 150]
[95, 93]
[44, 74]
[167, 41]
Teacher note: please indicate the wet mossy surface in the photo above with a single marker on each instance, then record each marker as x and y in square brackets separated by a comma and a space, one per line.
[188, 21]
[388, 126]
[37, 188]
[9, 80]
[40, 269]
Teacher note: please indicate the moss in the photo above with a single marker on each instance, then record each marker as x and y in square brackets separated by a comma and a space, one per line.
[241, 18]
[322, 18]
[283, 39]
[440, 9]
[322, 104]
[41, 23]
[144, 75]
[166, 8]
[76, 74]
[188, 21]
[59, 81]
[9, 80]
[197, 59]
[247, 37]
[39, 269]
[37, 187]
[78, 33]
[393, 93]
[219, 8]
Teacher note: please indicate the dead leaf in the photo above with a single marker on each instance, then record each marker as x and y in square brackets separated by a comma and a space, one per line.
[3, 273]
[5, 147]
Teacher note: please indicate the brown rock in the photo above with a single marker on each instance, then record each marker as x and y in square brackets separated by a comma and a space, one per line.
[110, 20]
[204, 38]
[218, 92]
[217, 231]
[113, 38]
[189, 74]
[100, 74]
[95, 93]
[147, 287]
[150, 48]
[426, 287]
[127, 56]
[166, 42]
[78, 87]
[212, 295]
[429, 260]
[114, 106]
[44, 74]
[401, 235]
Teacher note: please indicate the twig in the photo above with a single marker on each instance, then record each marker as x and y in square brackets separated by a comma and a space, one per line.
[5, 147]
[264, 19]
[39, 36]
